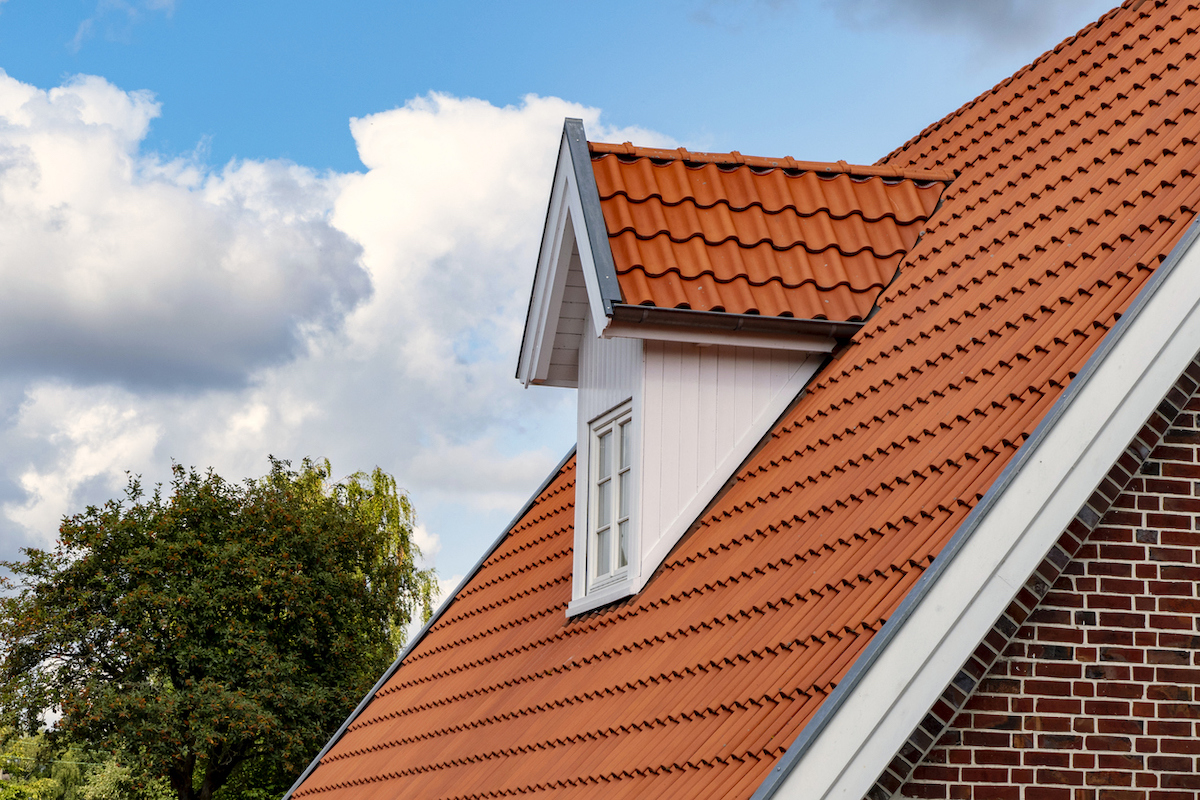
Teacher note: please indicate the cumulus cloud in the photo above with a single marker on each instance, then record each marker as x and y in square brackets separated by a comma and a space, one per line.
[216, 316]
[119, 266]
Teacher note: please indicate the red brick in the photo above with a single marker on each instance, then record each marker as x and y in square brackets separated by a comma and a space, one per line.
[1060, 776]
[984, 775]
[1189, 746]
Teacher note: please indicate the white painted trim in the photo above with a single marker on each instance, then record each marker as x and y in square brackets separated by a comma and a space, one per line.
[575, 205]
[761, 426]
[610, 594]
[675, 333]
[564, 227]
[1084, 435]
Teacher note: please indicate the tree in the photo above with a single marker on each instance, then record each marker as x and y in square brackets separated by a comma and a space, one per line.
[224, 624]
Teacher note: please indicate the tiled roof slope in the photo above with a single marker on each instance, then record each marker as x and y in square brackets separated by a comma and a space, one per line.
[746, 235]
[1076, 180]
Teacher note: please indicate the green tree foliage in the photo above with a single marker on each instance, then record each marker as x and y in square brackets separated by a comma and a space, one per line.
[222, 625]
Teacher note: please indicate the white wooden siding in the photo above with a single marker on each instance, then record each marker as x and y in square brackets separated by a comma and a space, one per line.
[610, 372]
[699, 403]
[564, 359]
[698, 410]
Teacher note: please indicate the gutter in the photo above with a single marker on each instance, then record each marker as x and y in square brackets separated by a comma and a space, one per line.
[722, 321]
[437, 615]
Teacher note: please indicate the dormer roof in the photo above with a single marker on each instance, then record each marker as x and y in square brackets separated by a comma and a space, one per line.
[775, 237]
[662, 242]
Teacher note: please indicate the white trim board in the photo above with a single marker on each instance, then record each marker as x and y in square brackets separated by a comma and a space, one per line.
[901, 674]
[566, 230]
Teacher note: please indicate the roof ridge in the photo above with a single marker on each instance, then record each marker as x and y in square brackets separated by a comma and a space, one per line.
[736, 159]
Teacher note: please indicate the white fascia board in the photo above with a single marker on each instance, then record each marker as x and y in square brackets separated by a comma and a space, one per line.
[573, 219]
[910, 662]
[549, 279]
[691, 335]
[586, 258]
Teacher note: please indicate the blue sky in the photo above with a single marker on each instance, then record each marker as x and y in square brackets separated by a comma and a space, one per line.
[205, 260]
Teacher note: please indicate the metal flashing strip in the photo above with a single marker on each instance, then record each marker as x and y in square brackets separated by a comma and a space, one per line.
[538, 263]
[437, 615]
[720, 320]
[945, 558]
[593, 216]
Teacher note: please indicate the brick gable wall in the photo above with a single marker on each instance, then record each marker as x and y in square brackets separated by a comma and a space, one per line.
[1097, 695]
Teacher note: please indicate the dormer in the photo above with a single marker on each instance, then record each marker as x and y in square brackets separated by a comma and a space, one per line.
[690, 298]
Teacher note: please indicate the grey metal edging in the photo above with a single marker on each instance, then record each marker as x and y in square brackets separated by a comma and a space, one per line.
[537, 264]
[888, 632]
[721, 320]
[593, 216]
[432, 621]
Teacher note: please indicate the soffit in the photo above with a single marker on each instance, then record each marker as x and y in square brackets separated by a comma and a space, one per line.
[1077, 178]
[777, 237]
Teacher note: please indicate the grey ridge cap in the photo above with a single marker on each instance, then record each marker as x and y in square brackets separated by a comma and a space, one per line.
[721, 320]
[1023, 458]
[593, 217]
[437, 615]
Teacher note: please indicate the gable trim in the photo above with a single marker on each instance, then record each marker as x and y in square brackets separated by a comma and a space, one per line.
[593, 216]
[437, 615]
[907, 665]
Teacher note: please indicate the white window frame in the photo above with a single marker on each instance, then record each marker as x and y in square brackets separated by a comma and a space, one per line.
[622, 462]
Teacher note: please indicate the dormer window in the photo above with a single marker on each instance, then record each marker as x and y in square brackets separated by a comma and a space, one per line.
[611, 496]
[690, 298]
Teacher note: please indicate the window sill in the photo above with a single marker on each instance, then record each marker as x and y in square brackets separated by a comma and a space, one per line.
[601, 597]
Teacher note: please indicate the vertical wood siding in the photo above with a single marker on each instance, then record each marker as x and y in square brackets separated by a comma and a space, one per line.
[698, 403]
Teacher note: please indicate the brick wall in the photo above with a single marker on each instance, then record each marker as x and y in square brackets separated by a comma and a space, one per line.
[1096, 696]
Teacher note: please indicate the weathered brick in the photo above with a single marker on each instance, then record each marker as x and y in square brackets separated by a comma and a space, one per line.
[1096, 695]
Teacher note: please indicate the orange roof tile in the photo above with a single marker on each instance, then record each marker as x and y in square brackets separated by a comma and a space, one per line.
[777, 237]
[1077, 178]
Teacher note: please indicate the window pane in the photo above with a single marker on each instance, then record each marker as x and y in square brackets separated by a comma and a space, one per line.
[623, 496]
[624, 445]
[603, 552]
[622, 538]
[605, 455]
[604, 504]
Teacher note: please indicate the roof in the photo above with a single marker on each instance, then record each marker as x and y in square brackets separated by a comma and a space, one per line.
[746, 235]
[1076, 178]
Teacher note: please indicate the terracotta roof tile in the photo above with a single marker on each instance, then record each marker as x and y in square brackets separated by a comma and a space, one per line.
[724, 232]
[1077, 178]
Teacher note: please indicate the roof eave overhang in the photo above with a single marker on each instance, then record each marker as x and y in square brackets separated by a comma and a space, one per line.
[573, 218]
[719, 327]
[909, 662]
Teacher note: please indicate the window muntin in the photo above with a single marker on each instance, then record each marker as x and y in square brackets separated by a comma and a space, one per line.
[612, 486]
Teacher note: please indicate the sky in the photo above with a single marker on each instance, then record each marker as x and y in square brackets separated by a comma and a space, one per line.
[229, 230]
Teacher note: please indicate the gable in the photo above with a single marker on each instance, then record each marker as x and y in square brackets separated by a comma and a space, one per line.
[1099, 687]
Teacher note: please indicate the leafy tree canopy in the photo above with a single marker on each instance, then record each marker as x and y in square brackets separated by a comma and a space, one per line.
[220, 625]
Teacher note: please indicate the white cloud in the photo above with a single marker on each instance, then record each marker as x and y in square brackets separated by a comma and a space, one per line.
[118, 266]
[209, 316]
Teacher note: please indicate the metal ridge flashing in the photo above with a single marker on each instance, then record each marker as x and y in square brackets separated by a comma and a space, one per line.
[945, 558]
[437, 615]
[593, 216]
[736, 159]
[721, 320]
